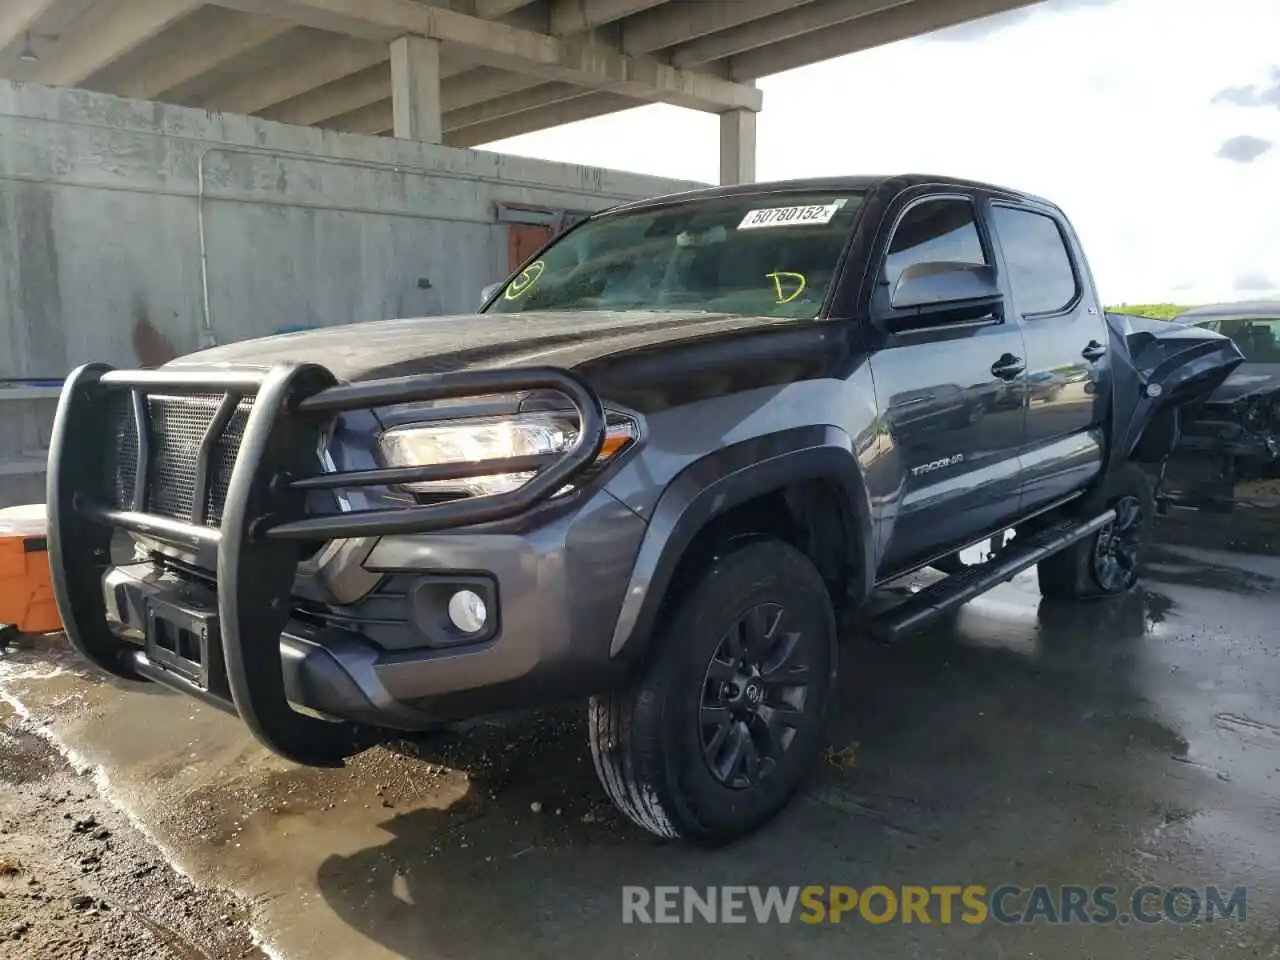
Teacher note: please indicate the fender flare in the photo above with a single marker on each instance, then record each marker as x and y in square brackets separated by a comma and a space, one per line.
[720, 481]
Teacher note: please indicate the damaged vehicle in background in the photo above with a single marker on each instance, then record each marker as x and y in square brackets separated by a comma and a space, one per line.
[1230, 442]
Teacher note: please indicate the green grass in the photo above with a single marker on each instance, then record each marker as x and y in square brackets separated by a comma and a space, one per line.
[1158, 311]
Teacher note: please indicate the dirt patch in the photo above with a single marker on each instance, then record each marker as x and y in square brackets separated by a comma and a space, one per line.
[1262, 492]
[77, 881]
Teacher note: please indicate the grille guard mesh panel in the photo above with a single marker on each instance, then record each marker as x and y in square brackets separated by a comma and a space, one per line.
[177, 426]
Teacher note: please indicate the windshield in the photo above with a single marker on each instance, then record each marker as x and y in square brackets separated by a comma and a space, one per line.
[764, 255]
[1257, 337]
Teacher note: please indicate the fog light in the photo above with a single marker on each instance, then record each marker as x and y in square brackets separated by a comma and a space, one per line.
[467, 611]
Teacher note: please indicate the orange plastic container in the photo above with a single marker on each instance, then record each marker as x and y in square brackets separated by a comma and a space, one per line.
[26, 596]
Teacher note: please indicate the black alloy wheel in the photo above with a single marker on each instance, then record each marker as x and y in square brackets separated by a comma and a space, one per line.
[726, 717]
[1118, 546]
[754, 694]
[1106, 563]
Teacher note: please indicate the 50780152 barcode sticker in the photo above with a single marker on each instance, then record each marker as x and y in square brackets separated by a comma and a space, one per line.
[790, 216]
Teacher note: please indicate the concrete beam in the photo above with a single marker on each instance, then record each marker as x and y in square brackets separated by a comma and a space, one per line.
[483, 84]
[737, 147]
[493, 9]
[105, 34]
[374, 85]
[303, 13]
[680, 21]
[471, 97]
[192, 55]
[334, 98]
[819, 15]
[415, 88]
[508, 117]
[582, 61]
[553, 115]
[459, 91]
[863, 34]
[19, 16]
[513, 104]
[332, 60]
[578, 16]
[370, 120]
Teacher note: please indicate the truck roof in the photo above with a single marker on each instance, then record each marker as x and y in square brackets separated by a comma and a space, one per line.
[901, 181]
[1242, 309]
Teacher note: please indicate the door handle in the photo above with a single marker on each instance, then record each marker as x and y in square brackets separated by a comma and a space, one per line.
[1094, 351]
[1008, 367]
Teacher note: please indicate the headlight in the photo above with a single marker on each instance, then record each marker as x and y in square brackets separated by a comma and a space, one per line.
[470, 441]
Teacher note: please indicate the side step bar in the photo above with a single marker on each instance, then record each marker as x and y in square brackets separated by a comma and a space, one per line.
[959, 588]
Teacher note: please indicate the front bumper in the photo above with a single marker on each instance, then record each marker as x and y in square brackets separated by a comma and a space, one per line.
[379, 662]
[251, 649]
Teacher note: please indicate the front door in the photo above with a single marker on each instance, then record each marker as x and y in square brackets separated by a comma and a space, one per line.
[951, 398]
[1067, 341]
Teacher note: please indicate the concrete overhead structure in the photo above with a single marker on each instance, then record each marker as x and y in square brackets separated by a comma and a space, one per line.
[456, 72]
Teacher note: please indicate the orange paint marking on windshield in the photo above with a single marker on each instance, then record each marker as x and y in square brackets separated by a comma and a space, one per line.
[779, 275]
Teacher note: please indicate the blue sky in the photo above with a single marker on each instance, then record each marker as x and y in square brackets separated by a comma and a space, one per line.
[1154, 123]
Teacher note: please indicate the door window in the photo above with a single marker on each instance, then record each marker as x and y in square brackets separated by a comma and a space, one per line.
[932, 231]
[1040, 272]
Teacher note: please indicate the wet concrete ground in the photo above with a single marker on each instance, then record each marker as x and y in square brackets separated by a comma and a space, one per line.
[77, 881]
[1123, 743]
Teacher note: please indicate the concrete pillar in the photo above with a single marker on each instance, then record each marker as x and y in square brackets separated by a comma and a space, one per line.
[737, 146]
[415, 88]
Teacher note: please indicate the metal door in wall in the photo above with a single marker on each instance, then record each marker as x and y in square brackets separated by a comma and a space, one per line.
[523, 241]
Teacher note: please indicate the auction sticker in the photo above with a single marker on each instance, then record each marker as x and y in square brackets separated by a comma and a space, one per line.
[790, 216]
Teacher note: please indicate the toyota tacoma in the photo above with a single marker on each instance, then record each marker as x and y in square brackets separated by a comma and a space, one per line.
[668, 453]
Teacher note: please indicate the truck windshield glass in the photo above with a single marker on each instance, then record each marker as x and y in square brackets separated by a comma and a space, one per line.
[764, 255]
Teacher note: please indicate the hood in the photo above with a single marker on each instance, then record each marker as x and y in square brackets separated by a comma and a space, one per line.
[391, 348]
[1248, 382]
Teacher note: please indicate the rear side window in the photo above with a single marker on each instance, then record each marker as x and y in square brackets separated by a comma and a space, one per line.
[1040, 271]
[932, 231]
[1257, 337]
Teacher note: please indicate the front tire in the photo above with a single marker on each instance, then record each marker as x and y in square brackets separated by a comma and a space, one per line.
[1105, 564]
[712, 737]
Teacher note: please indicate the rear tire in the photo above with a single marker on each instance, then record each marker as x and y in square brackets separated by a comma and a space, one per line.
[714, 734]
[1105, 564]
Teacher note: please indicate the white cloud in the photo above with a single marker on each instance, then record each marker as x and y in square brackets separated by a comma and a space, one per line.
[1117, 111]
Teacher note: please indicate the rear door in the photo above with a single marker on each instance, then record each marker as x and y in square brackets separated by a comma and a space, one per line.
[949, 396]
[1066, 337]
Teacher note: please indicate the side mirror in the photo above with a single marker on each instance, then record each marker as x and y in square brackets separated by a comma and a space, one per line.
[489, 291]
[946, 291]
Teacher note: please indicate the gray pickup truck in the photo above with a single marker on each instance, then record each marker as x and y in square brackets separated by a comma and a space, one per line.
[650, 473]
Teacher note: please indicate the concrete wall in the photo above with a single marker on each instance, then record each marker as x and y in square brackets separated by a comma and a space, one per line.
[130, 230]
